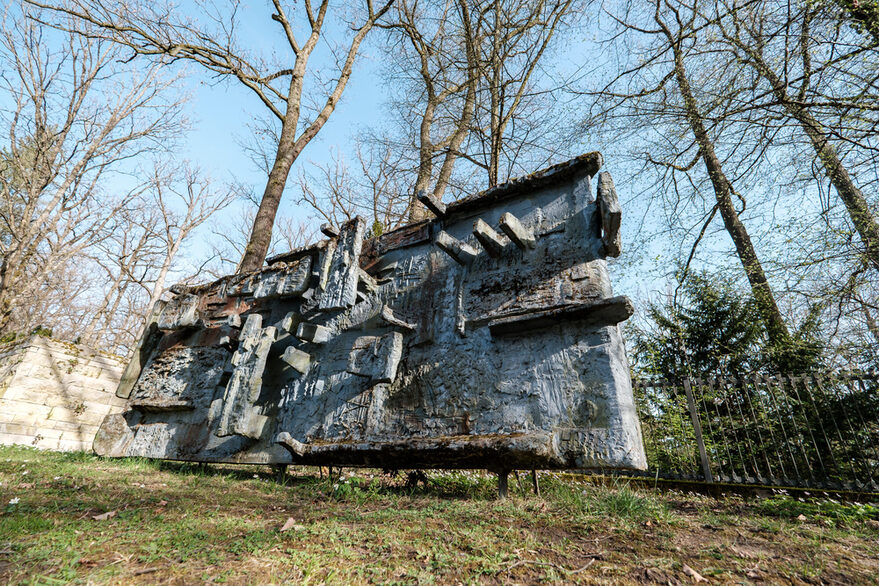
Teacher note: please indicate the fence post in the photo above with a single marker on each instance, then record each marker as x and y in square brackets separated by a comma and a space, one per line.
[697, 428]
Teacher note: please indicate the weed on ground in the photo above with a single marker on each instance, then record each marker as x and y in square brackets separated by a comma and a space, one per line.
[79, 518]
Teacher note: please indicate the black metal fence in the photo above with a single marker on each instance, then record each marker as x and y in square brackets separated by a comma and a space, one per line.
[812, 431]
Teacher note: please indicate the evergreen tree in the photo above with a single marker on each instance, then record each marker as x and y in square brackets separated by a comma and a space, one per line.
[714, 329]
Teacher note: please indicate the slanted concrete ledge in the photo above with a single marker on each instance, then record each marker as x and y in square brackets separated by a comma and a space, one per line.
[54, 394]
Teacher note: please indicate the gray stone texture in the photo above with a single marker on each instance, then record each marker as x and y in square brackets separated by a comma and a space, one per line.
[611, 215]
[485, 337]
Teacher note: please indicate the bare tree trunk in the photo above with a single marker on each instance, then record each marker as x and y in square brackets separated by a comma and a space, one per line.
[439, 64]
[771, 316]
[426, 150]
[872, 326]
[264, 221]
[855, 203]
[5, 305]
[159, 285]
[496, 100]
[517, 29]
[445, 174]
[289, 146]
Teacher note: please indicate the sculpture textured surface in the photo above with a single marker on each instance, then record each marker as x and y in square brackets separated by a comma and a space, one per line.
[486, 337]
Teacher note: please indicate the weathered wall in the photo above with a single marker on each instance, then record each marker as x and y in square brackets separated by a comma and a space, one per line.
[54, 394]
[485, 337]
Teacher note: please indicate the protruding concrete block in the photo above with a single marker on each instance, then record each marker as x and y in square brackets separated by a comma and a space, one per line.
[256, 425]
[160, 405]
[339, 284]
[246, 381]
[367, 283]
[601, 313]
[519, 234]
[251, 332]
[289, 323]
[462, 253]
[488, 238]
[313, 333]
[611, 215]
[296, 358]
[387, 314]
[376, 357]
[437, 207]
[329, 230]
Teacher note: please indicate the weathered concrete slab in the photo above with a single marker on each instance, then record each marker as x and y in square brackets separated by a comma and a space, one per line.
[296, 358]
[486, 337]
[519, 234]
[376, 357]
[342, 273]
[611, 215]
[489, 239]
[462, 253]
[436, 207]
[54, 394]
[245, 384]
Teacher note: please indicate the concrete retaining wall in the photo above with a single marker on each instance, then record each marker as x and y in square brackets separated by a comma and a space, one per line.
[55, 394]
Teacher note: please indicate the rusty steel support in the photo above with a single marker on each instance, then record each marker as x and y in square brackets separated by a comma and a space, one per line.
[502, 483]
[280, 473]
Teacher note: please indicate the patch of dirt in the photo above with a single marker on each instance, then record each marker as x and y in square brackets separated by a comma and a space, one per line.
[654, 576]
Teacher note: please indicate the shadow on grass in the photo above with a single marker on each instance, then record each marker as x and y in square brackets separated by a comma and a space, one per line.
[350, 482]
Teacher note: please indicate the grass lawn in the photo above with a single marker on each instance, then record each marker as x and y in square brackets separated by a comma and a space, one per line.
[80, 518]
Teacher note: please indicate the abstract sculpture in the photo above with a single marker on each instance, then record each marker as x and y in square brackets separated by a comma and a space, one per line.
[486, 337]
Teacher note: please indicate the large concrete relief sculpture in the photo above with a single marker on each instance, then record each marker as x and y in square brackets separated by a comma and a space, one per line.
[486, 337]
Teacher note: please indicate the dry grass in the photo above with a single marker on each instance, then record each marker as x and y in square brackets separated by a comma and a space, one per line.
[177, 523]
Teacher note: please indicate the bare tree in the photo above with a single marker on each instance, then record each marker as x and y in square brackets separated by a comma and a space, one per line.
[437, 53]
[514, 36]
[373, 190]
[779, 44]
[142, 249]
[165, 33]
[464, 76]
[73, 114]
[121, 257]
[182, 209]
[657, 90]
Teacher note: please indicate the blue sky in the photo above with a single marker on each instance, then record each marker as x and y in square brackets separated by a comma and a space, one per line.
[222, 112]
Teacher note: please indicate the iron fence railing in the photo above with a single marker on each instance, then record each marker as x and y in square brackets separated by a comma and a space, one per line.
[811, 431]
